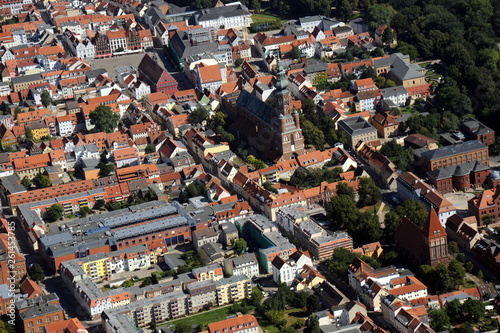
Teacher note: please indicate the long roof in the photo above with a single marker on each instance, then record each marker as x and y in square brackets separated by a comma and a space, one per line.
[457, 149]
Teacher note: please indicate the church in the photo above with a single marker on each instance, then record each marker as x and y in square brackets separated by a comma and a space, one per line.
[273, 133]
[427, 246]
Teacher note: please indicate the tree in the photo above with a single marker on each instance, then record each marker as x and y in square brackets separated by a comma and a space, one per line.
[150, 149]
[5, 327]
[105, 169]
[54, 213]
[457, 272]
[274, 316]
[344, 10]
[46, 99]
[312, 303]
[473, 310]
[197, 116]
[408, 49]
[312, 325]
[369, 193]
[345, 189]
[36, 273]
[84, 211]
[299, 323]
[453, 247]
[300, 299]
[26, 182]
[295, 52]
[288, 329]
[238, 62]
[257, 296]
[480, 275]
[454, 311]
[104, 119]
[440, 320]
[312, 134]
[487, 219]
[240, 246]
[42, 181]
[147, 282]
[183, 327]
[378, 15]
[342, 210]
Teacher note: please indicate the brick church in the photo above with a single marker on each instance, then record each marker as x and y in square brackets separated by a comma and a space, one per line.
[427, 246]
[274, 133]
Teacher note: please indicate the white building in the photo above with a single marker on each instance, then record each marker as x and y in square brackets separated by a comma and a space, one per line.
[246, 264]
[398, 95]
[283, 272]
[232, 15]
[65, 125]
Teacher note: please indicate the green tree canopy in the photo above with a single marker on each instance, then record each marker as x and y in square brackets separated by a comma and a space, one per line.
[150, 149]
[36, 273]
[369, 193]
[46, 98]
[104, 119]
[240, 246]
[42, 181]
[198, 115]
[54, 213]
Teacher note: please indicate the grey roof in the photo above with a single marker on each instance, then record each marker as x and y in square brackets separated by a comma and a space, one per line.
[93, 73]
[452, 150]
[308, 19]
[209, 14]
[11, 184]
[356, 125]
[342, 29]
[244, 260]
[26, 78]
[315, 68]
[5, 292]
[231, 280]
[476, 127]
[38, 306]
[257, 107]
[457, 170]
[404, 70]
[393, 91]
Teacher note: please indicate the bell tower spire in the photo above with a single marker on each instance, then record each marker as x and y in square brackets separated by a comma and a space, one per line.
[282, 93]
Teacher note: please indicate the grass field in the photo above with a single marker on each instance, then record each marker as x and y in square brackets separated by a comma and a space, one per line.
[291, 317]
[204, 318]
[264, 18]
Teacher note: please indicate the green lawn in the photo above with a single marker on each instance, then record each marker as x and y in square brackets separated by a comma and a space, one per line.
[204, 318]
[264, 18]
[291, 317]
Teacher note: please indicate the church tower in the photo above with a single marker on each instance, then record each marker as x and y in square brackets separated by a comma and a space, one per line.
[435, 240]
[289, 139]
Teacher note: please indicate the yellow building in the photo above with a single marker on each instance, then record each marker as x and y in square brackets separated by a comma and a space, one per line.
[97, 268]
[38, 128]
[234, 288]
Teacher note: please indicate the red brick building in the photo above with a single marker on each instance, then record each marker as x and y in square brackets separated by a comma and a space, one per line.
[478, 131]
[485, 204]
[469, 151]
[427, 246]
[459, 177]
[34, 313]
[159, 79]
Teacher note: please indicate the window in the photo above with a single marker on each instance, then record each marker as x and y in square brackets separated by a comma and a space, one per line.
[39, 322]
